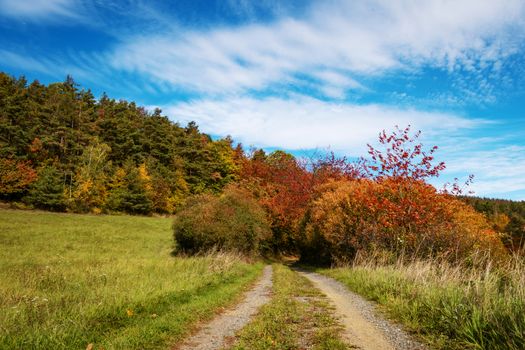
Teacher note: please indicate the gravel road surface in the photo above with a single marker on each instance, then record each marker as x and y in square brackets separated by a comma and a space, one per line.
[216, 334]
[365, 328]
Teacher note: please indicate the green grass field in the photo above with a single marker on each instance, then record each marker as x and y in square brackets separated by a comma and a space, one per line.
[67, 281]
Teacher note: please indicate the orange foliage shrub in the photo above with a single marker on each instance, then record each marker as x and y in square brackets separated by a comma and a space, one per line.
[15, 176]
[283, 183]
[284, 186]
[401, 215]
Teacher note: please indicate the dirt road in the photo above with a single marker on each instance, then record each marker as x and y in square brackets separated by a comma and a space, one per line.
[215, 334]
[364, 328]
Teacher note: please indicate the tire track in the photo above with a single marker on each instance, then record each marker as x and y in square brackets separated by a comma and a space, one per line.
[215, 334]
[364, 328]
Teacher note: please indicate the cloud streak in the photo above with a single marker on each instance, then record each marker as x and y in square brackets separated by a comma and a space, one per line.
[308, 123]
[498, 169]
[39, 9]
[357, 38]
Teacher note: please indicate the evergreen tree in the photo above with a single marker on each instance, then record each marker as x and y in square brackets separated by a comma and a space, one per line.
[48, 191]
[130, 192]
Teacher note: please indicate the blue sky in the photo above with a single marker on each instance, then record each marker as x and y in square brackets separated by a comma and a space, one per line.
[300, 75]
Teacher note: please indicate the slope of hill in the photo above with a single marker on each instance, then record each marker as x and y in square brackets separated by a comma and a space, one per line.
[60, 148]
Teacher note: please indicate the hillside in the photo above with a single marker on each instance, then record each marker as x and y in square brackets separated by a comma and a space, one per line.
[61, 148]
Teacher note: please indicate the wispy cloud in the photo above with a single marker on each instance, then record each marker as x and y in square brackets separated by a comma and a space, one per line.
[359, 38]
[499, 169]
[251, 10]
[39, 9]
[307, 123]
[85, 67]
[28, 63]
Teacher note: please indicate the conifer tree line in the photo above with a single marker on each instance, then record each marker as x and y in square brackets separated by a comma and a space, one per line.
[505, 215]
[63, 149]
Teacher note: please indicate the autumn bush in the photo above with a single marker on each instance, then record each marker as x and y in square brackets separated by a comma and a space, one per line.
[400, 215]
[15, 176]
[232, 221]
[283, 185]
[279, 183]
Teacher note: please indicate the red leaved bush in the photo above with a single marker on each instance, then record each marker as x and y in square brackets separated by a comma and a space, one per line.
[284, 181]
[392, 208]
[281, 184]
[402, 157]
[400, 215]
[285, 185]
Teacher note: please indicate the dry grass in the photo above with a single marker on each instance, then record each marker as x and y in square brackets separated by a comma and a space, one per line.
[470, 306]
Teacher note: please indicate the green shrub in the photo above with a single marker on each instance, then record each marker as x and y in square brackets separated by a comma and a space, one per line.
[232, 221]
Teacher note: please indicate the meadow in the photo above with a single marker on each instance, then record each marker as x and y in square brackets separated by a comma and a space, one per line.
[68, 281]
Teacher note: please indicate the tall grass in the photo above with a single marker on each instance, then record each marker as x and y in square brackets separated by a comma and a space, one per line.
[67, 281]
[452, 306]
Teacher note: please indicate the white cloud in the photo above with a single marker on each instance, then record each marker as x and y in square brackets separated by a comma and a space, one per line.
[304, 123]
[248, 9]
[308, 123]
[38, 9]
[26, 62]
[358, 38]
[497, 170]
[334, 84]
